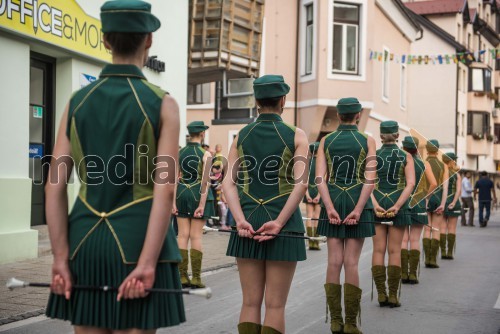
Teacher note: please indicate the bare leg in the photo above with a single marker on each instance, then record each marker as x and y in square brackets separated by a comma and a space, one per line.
[352, 252]
[196, 232]
[252, 279]
[379, 245]
[415, 233]
[435, 221]
[279, 275]
[452, 225]
[394, 245]
[406, 238]
[335, 259]
[427, 231]
[183, 226]
[317, 212]
[443, 226]
[309, 214]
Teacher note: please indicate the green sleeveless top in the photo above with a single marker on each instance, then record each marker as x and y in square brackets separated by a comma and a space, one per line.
[391, 162]
[345, 151]
[312, 187]
[113, 128]
[265, 178]
[417, 198]
[191, 163]
[437, 168]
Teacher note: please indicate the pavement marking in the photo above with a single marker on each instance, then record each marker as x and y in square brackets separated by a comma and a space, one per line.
[22, 323]
[497, 304]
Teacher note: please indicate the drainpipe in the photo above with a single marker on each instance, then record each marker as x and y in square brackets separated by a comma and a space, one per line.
[296, 108]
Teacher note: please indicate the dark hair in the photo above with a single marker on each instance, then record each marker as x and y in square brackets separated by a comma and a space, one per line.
[125, 44]
[484, 173]
[347, 117]
[412, 151]
[271, 102]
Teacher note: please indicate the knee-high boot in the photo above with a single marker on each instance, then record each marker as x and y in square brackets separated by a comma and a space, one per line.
[442, 244]
[433, 253]
[183, 268]
[309, 232]
[269, 330]
[414, 262]
[404, 265]
[352, 306]
[249, 328]
[196, 257]
[393, 282]
[334, 300]
[379, 277]
[426, 245]
[451, 245]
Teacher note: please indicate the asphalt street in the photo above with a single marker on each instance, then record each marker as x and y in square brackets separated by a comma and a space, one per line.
[458, 298]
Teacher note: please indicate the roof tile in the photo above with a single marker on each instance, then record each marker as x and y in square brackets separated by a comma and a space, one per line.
[436, 6]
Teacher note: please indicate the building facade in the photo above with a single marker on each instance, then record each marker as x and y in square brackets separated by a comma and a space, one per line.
[51, 48]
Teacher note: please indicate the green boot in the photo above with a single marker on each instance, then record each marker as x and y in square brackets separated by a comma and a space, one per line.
[334, 300]
[414, 261]
[352, 306]
[196, 257]
[404, 265]
[426, 243]
[442, 244]
[183, 268]
[451, 245]
[249, 328]
[309, 232]
[269, 330]
[433, 253]
[378, 273]
[316, 242]
[393, 283]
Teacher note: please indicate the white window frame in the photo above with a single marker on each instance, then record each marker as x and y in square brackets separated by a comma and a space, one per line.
[302, 35]
[362, 36]
[404, 87]
[386, 75]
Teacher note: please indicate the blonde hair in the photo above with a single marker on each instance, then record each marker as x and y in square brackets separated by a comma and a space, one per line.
[389, 137]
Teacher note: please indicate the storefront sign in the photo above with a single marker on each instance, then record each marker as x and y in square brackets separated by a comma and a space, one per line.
[59, 22]
[36, 150]
[86, 79]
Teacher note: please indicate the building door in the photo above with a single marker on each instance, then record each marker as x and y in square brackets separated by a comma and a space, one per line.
[41, 130]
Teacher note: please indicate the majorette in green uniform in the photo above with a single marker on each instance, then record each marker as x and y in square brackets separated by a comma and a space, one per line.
[263, 189]
[435, 205]
[117, 120]
[452, 208]
[425, 185]
[312, 200]
[396, 180]
[194, 202]
[345, 184]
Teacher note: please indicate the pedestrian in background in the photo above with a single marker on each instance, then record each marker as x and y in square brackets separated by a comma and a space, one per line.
[467, 201]
[486, 190]
[118, 233]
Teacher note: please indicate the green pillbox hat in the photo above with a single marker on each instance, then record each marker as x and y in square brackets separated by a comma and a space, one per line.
[131, 16]
[313, 147]
[432, 146]
[269, 86]
[389, 127]
[197, 127]
[348, 105]
[447, 157]
[410, 142]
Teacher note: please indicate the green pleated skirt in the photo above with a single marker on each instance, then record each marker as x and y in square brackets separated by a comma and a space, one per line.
[188, 199]
[277, 249]
[434, 201]
[364, 229]
[418, 215]
[455, 212]
[99, 263]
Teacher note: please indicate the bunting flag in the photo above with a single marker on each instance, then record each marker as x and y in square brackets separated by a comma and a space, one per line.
[463, 57]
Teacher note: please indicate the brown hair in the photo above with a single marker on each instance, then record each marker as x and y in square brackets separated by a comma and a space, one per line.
[125, 44]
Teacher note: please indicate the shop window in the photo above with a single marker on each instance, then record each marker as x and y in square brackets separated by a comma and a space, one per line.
[345, 38]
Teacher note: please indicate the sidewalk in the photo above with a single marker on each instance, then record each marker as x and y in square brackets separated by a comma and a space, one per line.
[29, 302]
